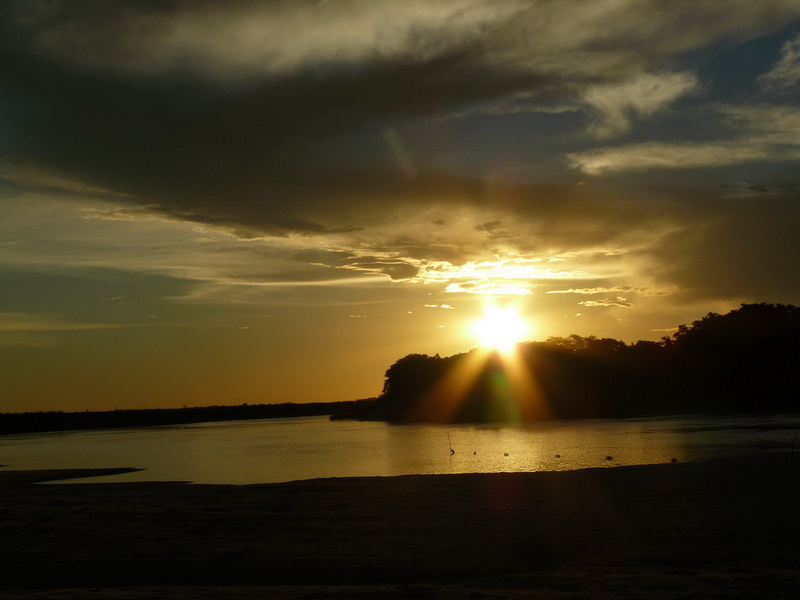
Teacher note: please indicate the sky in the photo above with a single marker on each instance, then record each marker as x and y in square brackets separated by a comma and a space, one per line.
[208, 202]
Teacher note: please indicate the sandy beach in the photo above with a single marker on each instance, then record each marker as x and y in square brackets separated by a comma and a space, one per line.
[710, 530]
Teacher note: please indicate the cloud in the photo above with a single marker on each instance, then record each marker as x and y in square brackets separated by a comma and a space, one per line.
[248, 38]
[641, 291]
[35, 329]
[276, 227]
[25, 176]
[617, 105]
[245, 39]
[489, 226]
[487, 289]
[233, 110]
[656, 155]
[242, 145]
[567, 239]
[619, 302]
[397, 270]
[740, 250]
[786, 72]
[765, 133]
[30, 322]
[81, 236]
[509, 276]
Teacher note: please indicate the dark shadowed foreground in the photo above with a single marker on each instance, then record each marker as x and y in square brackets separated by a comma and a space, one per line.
[695, 530]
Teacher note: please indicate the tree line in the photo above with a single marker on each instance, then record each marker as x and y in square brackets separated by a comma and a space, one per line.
[744, 361]
[32, 422]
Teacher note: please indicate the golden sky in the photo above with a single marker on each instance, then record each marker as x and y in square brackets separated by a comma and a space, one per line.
[249, 201]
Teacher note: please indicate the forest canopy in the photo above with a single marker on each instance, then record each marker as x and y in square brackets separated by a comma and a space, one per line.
[745, 361]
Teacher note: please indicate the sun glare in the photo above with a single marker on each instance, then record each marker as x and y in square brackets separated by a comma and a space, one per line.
[500, 328]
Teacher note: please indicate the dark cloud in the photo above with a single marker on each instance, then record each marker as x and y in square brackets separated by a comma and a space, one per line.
[185, 140]
[396, 270]
[276, 227]
[747, 250]
[131, 96]
[489, 226]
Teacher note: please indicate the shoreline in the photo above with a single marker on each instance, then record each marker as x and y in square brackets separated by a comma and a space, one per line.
[31, 476]
[723, 525]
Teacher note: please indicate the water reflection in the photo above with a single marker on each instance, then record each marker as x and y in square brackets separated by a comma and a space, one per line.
[292, 449]
[552, 447]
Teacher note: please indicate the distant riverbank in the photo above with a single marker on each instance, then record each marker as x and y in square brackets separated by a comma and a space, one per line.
[39, 422]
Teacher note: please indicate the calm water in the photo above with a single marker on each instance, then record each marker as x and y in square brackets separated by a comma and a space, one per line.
[290, 449]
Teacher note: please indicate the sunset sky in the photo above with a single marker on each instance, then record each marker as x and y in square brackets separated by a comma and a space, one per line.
[207, 202]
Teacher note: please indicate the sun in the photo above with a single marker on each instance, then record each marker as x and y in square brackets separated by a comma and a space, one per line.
[500, 328]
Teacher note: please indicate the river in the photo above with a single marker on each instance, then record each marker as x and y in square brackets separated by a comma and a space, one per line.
[277, 450]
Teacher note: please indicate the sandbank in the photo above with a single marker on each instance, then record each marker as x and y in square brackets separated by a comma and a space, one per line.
[660, 531]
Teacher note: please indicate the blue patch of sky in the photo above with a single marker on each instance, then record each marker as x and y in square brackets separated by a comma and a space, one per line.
[730, 75]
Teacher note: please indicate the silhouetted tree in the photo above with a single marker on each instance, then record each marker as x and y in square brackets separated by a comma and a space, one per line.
[745, 360]
[412, 375]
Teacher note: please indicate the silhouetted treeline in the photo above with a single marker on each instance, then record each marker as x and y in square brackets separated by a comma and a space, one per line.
[33, 422]
[745, 361]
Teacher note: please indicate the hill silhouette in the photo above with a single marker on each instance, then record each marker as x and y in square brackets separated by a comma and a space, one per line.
[745, 361]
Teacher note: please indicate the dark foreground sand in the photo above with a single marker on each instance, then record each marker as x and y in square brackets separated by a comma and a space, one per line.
[713, 530]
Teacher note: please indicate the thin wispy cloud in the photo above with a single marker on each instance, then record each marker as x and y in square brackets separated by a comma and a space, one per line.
[765, 133]
[27, 322]
[619, 302]
[786, 72]
[617, 106]
[40, 330]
